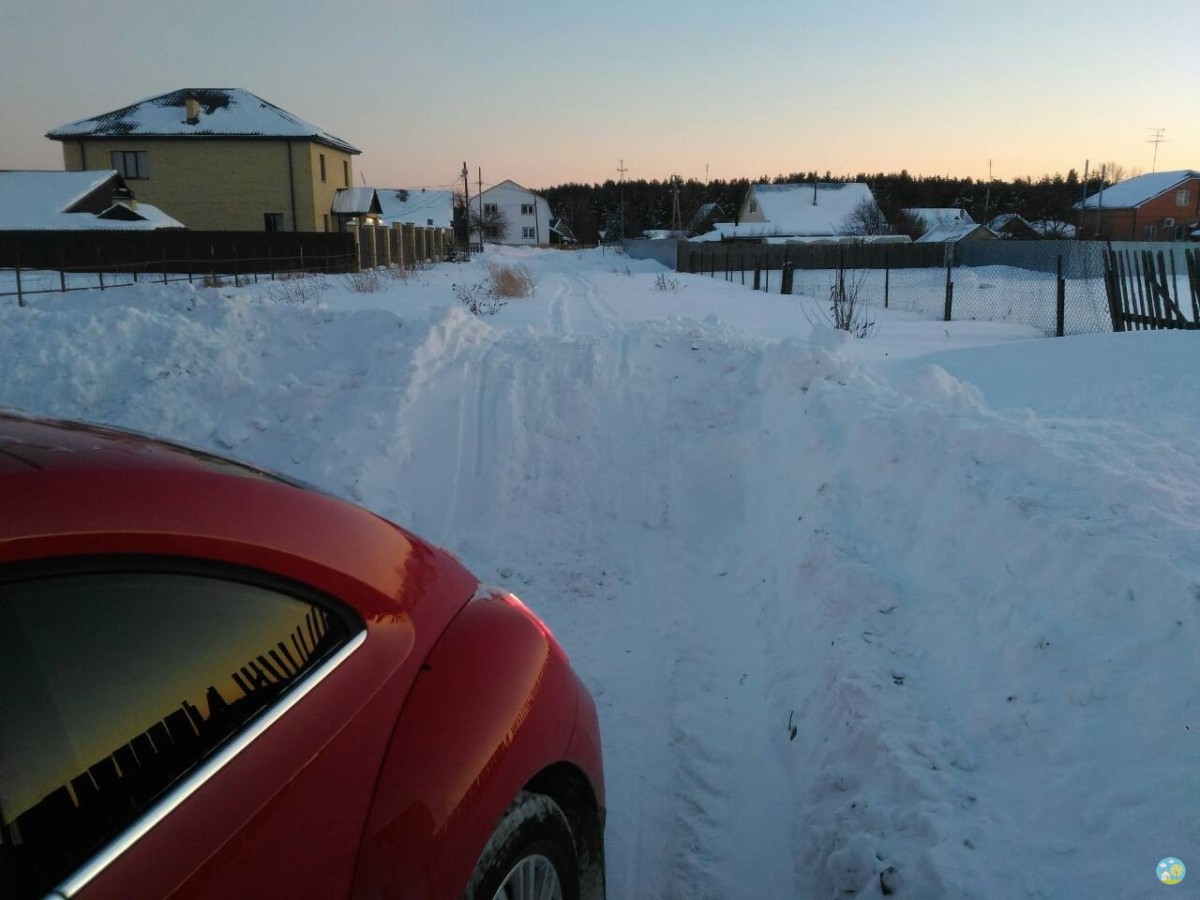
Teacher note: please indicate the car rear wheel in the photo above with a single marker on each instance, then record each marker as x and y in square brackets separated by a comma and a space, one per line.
[531, 854]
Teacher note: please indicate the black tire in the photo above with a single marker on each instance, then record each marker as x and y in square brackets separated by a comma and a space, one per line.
[533, 832]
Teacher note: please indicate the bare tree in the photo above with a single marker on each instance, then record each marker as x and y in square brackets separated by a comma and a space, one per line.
[492, 223]
[866, 218]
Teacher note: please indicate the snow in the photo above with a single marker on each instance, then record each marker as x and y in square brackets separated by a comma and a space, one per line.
[1137, 190]
[807, 209]
[949, 232]
[225, 112]
[916, 611]
[417, 206]
[41, 201]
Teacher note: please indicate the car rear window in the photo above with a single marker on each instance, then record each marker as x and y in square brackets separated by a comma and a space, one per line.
[115, 685]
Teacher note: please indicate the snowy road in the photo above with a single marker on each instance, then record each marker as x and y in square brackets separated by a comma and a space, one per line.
[851, 629]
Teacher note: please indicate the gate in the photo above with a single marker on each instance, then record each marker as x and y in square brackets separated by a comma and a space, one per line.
[1143, 294]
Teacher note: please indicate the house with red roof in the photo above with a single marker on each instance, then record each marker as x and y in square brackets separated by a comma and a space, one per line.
[218, 159]
[1161, 206]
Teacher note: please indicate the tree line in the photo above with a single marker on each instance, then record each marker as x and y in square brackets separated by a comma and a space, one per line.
[589, 208]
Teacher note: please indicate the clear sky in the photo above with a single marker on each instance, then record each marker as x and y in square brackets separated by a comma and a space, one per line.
[548, 91]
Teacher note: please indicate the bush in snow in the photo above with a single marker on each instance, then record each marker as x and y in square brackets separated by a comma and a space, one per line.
[846, 309]
[480, 298]
[510, 281]
[663, 283]
[365, 282]
[298, 288]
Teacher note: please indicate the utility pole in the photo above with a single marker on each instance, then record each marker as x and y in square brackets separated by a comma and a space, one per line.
[479, 197]
[1156, 139]
[987, 195]
[676, 215]
[467, 208]
[621, 168]
[1086, 164]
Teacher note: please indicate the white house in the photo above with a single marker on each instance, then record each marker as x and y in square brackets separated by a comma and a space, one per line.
[526, 215]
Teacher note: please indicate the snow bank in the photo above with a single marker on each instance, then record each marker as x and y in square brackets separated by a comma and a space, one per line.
[910, 616]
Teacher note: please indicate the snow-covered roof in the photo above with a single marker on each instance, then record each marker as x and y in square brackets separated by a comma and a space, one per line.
[224, 112]
[951, 232]
[417, 206]
[507, 185]
[1136, 191]
[45, 201]
[355, 201]
[938, 215]
[790, 209]
[763, 231]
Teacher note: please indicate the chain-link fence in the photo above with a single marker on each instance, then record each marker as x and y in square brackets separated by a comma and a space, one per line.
[1056, 287]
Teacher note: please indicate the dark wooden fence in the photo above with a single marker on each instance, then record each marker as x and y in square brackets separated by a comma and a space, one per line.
[178, 251]
[708, 259]
[1143, 290]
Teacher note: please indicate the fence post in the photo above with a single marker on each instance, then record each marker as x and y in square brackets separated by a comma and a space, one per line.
[62, 270]
[1061, 307]
[785, 286]
[1189, 257]
[100, 268]
[887, 274]
[20, 296]
[757, 275]
[949, 283]
[163, 249]
[233, 249]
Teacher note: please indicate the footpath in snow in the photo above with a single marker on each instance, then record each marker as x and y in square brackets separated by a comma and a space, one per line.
[913, 616]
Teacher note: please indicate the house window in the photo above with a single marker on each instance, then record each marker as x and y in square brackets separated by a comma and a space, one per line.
[491, 209]
[753, 206]
[527, 209]
[346, 171]
[273, 221]
[1179, 232]
[1182, 196]
[322, 168]
[1148, 232]
[528, 234]
[131, 163]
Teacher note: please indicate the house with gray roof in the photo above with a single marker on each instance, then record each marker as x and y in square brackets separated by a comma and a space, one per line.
[218, 159]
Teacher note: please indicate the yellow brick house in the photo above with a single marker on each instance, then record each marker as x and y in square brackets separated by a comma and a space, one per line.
[217, 159]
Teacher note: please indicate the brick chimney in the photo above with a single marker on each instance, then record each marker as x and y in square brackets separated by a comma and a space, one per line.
[191, 107]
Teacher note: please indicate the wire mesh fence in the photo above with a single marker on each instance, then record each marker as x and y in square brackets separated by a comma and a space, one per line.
[1056, 287]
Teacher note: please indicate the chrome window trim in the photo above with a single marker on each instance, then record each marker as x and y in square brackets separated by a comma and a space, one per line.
[175, 797]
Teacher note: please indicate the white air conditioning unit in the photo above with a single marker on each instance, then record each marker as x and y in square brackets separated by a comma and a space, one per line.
[1168, 222]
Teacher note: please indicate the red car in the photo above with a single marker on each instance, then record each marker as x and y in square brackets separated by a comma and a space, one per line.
[216, 683]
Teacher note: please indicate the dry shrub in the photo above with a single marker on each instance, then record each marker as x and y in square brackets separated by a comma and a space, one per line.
[212, 281]
[510, 281]
[297, 288]
[365, 282]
